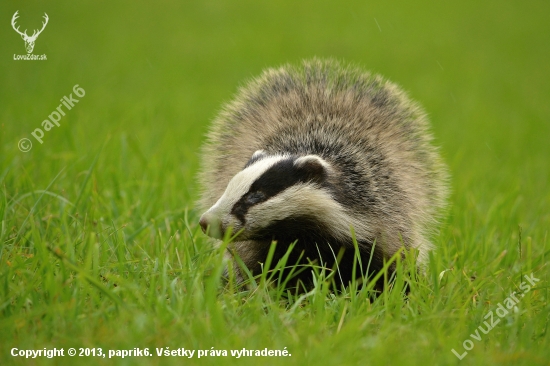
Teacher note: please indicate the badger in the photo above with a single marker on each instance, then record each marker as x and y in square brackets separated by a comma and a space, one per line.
[324, 158]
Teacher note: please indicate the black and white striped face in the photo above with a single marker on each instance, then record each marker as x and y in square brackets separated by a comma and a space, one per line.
[270, 191]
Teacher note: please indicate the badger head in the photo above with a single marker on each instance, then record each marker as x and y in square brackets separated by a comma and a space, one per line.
[277, 195]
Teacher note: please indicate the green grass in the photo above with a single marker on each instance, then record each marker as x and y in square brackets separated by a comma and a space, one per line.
[99, 237]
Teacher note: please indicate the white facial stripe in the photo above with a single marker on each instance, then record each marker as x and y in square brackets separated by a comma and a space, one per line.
[240, 184]
[306, 201]
[309, 201]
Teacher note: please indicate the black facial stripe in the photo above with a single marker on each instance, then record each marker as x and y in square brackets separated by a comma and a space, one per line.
[293, 228]
[277, 178]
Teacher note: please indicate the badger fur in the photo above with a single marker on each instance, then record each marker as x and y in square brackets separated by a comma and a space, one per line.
[304, 154]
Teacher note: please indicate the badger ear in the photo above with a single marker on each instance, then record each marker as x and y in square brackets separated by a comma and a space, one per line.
[313, 167]
[258, 154]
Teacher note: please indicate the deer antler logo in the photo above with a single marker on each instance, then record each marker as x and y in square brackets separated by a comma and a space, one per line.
[29, 40]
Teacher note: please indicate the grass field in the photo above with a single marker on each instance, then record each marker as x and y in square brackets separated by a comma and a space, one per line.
[99, 239]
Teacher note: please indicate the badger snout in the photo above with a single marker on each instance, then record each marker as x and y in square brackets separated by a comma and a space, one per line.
[211, 225]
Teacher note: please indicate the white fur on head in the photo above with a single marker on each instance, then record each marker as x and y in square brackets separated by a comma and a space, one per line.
[301, 200]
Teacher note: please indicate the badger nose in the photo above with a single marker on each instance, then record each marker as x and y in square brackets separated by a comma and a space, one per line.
[211, 226]
[203, 223]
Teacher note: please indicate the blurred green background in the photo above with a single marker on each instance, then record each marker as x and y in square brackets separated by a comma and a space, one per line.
[156, 73]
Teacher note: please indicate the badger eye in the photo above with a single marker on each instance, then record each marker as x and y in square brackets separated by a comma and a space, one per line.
[254, 197]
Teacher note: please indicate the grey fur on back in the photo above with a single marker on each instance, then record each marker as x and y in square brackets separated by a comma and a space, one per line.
[389, 173]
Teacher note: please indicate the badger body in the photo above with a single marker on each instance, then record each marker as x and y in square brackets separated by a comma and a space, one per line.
[312, 153]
